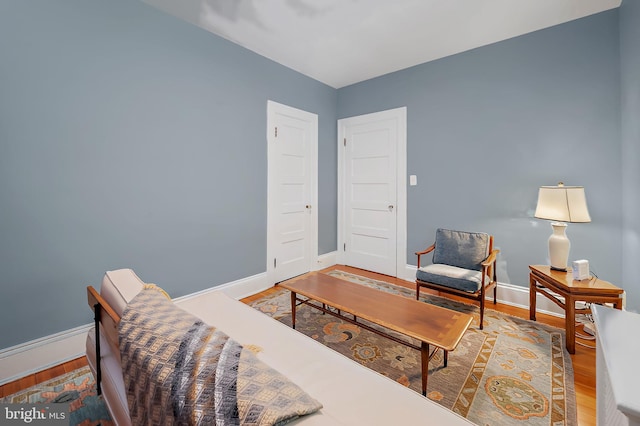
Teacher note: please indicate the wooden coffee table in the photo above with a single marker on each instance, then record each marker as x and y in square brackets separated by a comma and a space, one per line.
[426, 323]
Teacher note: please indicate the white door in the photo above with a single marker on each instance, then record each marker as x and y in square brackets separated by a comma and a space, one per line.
[292, 136]
[372, 182]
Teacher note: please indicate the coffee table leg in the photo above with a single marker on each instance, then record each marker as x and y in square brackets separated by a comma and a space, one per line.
[293, 310]
[446, 357]
[424, 352]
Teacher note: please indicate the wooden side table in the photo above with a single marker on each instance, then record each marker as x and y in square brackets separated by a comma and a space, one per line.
[552, 284]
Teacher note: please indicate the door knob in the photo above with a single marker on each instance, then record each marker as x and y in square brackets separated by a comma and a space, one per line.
[391, 207]
[308, 206]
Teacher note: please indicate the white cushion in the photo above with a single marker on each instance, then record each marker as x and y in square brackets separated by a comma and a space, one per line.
[119, 287]
[451, 276]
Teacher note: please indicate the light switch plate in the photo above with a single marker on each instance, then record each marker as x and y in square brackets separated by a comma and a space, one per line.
[413, 180]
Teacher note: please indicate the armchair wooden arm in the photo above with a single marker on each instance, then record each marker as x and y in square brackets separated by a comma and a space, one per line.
[429, 249]
[491, 258]
[489, 268]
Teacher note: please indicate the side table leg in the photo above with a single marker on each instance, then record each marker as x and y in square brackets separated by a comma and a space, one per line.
[532, 297]
[570, 323]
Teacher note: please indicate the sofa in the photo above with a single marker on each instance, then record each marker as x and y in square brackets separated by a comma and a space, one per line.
[349, 393]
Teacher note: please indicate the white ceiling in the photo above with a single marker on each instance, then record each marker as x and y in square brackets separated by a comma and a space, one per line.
[341, 42]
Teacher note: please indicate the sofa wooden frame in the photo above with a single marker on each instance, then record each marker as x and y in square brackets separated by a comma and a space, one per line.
[103, 314]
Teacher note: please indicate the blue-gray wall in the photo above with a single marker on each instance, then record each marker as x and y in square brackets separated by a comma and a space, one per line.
[129, 138]
[630, 137]
[487, 127]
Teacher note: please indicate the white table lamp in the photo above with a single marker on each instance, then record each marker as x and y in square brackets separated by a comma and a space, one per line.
[562, 204]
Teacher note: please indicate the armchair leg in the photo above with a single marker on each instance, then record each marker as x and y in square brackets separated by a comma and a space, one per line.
[495, 290]
[482, 294]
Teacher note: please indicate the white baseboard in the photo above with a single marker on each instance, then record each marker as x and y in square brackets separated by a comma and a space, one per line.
[236, 289]
[409, 273]
[39, 354]
[326, 260]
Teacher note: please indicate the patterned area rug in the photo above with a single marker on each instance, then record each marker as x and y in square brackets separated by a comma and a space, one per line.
[77, 388]
[514, 371]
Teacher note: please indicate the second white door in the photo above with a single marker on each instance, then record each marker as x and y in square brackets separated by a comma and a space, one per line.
[370, 195]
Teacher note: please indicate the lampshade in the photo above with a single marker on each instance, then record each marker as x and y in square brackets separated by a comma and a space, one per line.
[562, 203]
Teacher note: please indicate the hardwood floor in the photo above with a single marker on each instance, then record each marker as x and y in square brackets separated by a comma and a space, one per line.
[584, 360]
[42, 376]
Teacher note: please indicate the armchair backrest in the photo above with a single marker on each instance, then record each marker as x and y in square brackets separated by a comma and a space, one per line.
[462, 249]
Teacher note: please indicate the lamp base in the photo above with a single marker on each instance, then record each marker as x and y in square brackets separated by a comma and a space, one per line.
[553, 268]
[559, 246]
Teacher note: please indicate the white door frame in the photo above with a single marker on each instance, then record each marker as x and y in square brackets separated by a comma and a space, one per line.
[272, 109]
[399, 114]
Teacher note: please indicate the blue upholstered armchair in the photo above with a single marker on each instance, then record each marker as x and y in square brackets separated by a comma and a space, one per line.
[464, 264]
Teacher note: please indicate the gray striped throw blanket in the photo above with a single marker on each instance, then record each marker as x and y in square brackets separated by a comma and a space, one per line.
[179, 371]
